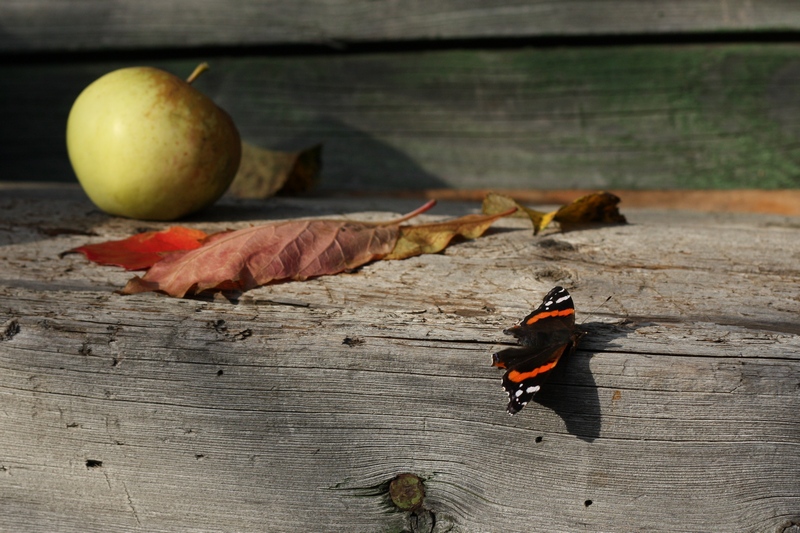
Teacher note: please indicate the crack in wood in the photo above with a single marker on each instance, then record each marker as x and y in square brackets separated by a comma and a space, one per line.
[428, 340]
[130, 502]
[721, 357]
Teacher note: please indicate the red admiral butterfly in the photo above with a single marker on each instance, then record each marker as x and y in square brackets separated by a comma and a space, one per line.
[546, 335]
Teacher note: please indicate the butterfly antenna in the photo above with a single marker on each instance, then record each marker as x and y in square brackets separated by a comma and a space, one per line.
[598, 307]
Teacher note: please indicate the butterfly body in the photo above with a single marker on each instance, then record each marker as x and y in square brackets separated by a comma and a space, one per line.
[546, 335]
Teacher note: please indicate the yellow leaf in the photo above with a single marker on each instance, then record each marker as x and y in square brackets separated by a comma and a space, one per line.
[433, 238]
[497, 203]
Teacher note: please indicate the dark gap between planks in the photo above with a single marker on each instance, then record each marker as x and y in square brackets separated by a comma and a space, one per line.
[345, 47]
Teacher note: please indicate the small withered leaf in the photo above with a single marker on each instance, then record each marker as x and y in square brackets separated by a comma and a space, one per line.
[598, 208]
[265, 173]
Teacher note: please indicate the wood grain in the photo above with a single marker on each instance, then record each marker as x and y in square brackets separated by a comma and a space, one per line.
[37, 25]
[640, 117]
[293, 406]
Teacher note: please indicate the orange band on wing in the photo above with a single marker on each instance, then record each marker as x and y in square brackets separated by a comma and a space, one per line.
[517, 377]
[562, 312]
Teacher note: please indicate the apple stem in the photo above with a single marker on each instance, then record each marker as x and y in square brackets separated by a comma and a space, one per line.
[202, 67]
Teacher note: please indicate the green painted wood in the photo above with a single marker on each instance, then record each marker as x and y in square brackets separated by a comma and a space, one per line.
[622, 117]
[56, 25]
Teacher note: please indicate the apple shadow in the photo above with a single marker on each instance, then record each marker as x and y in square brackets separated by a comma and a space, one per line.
[352, 159]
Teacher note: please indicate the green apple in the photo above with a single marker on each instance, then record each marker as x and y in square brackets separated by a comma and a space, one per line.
[146, 144]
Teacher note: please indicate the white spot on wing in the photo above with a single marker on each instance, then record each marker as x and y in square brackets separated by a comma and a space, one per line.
[531, 390]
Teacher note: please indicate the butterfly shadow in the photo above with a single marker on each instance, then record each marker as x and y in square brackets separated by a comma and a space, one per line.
[571, 391]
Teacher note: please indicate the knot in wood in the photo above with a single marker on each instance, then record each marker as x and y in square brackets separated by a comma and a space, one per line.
[407, 492]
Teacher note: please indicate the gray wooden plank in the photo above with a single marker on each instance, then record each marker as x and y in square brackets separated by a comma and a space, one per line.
[57, 25]
[677, 413]
[619, 117]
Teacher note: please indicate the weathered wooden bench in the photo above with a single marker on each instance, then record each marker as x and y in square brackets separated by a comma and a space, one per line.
[294, 406]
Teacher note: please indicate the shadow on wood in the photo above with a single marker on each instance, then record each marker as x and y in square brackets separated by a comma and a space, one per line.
[571, 392]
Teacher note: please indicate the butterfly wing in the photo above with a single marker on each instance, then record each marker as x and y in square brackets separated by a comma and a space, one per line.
[527, 370]
[555, 314]
[546, 335]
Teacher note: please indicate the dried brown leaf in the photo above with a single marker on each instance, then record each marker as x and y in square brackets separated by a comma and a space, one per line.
[598, 208]
[247, 258]
[290, 250]
[433, 238]
[593, 209]
[265, 173]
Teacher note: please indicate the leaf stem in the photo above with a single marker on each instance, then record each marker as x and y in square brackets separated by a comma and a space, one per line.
[510, 211]
[416, 212]
[199, 69]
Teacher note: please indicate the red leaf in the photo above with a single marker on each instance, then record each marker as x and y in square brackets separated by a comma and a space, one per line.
[247, 258]
[143, 250]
